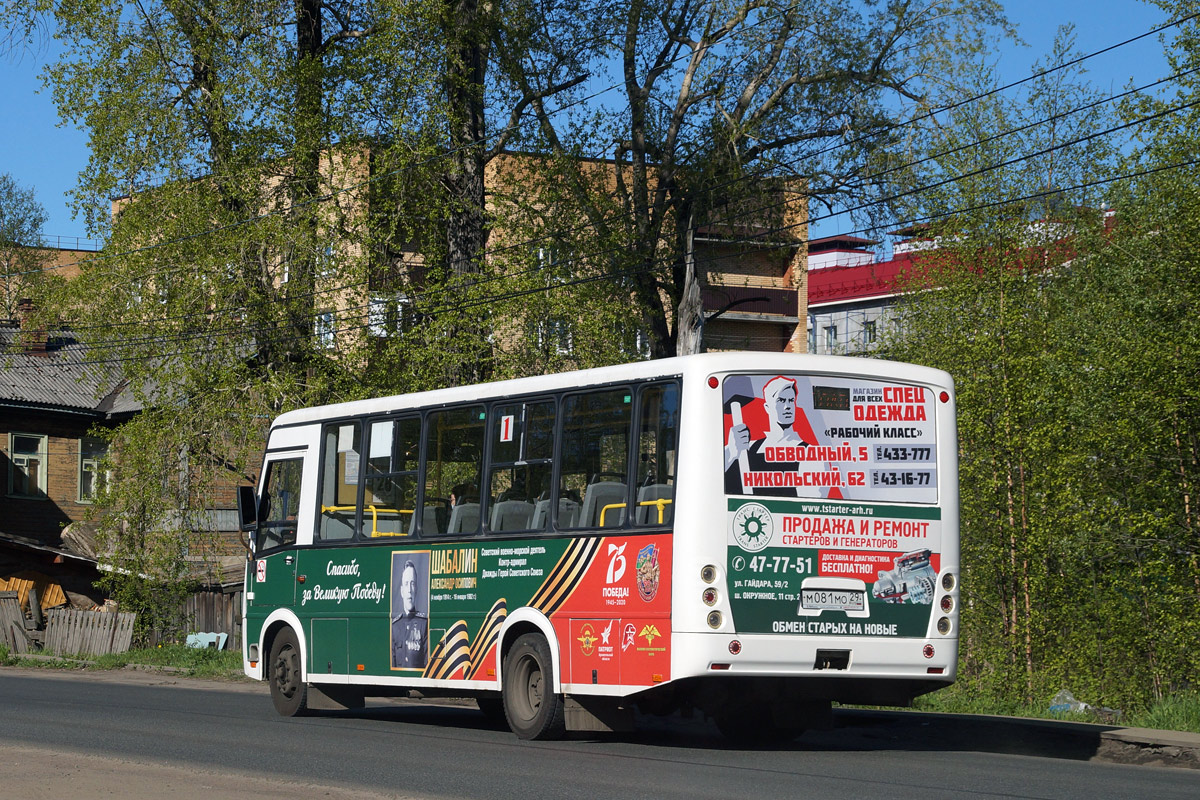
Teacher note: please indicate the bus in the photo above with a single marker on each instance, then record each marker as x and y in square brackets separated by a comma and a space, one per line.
[753, 536]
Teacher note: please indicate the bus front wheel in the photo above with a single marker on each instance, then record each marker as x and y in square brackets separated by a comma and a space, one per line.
[533, 709]
[289, 693]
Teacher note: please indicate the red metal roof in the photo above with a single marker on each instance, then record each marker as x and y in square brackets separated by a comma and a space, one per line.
[845, 284]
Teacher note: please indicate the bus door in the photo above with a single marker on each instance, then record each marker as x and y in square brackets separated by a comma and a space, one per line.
[273, 574]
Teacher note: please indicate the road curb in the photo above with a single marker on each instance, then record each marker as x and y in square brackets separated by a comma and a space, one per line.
[1143, 746]
[1076, 740]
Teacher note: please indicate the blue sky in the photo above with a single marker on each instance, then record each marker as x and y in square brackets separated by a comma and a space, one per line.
[42, 154]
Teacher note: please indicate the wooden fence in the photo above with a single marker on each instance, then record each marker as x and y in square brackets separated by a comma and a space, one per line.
[12, 623]
[70, 631]
[215, 611]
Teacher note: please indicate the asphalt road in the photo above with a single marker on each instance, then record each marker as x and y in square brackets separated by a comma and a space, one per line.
[135, 736]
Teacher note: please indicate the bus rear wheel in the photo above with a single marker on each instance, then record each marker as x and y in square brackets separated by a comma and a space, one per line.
[289, 693]
[533, 709]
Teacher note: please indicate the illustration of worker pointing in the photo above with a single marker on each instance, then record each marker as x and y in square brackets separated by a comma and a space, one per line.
[744, 456]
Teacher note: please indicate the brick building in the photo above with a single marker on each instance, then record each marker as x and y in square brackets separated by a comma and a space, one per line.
[51, 402]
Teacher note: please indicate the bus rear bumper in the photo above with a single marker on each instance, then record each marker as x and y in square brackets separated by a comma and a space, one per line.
[848, 666]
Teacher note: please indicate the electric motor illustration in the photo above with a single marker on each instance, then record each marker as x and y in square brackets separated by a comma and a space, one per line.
[911, 580]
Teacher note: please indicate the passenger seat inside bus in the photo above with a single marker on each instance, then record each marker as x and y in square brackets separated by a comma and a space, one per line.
[464, 518]
[648, 514]
[596, 497]
[512, 515]
[568, 513]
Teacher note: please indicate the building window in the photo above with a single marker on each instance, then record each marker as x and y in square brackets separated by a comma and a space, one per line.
[377, 317]
[869, 332]
[327, 263]
[831, 338]
[324, 330]
[554, 335]
[91, 479]
[642, 344]
[28, 453]
[389, 315]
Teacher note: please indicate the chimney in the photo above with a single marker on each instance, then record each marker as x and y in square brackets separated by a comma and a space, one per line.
[33, 339]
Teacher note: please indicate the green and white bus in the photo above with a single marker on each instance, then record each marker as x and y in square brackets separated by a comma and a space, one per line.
[752, 535]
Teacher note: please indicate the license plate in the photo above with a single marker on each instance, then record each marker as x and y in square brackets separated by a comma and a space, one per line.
[836, 599]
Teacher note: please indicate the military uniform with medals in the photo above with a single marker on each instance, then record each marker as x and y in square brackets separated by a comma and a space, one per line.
[408, 640]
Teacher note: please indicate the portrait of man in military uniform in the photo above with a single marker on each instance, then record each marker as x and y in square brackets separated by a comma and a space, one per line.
[410, 623]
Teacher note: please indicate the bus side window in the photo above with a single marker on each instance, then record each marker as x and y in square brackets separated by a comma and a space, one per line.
[520, 467]
[595, 456]
[339, 481]
[657, 444]
[281, 503]
[390, 483]
[453, 471]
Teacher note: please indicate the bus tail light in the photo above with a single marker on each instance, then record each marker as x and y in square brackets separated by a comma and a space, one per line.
[947, 603]
[715, 619]
[735, 647]
[708, 573]
[948, 581]
[927, 651]
[943, 625]
[709, 597]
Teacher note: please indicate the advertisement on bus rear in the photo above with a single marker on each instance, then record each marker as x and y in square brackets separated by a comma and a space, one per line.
[833, 522]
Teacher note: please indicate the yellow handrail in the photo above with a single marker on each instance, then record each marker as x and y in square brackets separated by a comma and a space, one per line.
[374, 516]
[661, 502]
[375, 534]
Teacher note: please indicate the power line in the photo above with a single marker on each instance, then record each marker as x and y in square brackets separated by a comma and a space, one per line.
[162, 339]
[289, 337]
[751, 213]
[504, 131]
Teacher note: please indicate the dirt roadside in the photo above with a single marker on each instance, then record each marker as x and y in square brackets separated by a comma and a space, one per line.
[34, 773]
[41, 774]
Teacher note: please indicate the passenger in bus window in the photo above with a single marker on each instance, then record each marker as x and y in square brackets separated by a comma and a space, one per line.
[463, 493]
[409, 629]
[779, 402]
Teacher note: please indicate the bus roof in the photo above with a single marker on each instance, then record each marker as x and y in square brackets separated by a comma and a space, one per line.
[706, 363]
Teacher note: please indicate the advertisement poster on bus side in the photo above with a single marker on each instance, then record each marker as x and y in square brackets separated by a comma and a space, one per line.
[437, 611]
[832, 568]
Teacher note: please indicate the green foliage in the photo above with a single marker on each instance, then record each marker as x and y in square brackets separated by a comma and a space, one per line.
[21, 221]
[1179, 712]
[1074, 346]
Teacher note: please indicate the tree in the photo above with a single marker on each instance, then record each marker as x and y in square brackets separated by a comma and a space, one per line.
[1071, 340]
[726, 106]
[238, 139]
[21, 259]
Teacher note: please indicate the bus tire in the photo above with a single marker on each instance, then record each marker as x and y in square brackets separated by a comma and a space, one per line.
[531, 706]
[289, 692]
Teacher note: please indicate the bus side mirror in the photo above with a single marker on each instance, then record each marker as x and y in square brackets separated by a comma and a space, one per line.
[247, 508]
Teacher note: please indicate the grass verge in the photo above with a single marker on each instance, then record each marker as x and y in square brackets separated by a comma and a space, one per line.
[199, 662]
[1179, 712]
[191, 661]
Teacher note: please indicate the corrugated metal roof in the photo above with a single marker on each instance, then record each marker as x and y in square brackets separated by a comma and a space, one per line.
[62, 377]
